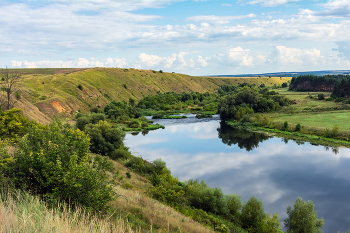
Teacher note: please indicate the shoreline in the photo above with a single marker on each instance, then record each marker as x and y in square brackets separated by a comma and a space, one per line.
[298, 136]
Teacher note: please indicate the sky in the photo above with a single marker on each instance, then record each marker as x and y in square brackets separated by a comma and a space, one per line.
[195, 37]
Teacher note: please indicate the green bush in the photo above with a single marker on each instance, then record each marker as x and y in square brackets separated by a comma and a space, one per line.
[134, 124]
[320, 96]
[302, 218]
[297, 127]
[329, 99]
[338, 100]
[104, 138]
[80, 87]
[53, 161]
[201, 196]
[12, 123]
[285, 125]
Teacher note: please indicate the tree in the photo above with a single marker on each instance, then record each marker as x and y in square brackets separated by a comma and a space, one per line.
[253, 215]
[10, 84]
[303, 218]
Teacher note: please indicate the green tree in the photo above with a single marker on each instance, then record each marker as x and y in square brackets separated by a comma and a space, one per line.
[303, 218]
[253, 215]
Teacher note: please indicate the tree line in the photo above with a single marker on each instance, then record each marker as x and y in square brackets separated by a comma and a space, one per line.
[339, 84]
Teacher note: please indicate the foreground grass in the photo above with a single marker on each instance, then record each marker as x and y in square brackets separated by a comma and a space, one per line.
[25, 213]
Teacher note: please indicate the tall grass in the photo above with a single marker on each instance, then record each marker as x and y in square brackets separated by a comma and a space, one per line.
[24, 213]
[161, 218]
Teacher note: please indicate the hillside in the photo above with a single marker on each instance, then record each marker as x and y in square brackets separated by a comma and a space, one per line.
[55, 92]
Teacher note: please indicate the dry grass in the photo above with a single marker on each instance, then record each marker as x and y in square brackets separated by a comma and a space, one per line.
[162, 218]
[25, 213]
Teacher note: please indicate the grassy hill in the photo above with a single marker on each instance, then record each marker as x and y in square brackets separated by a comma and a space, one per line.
[61, 92]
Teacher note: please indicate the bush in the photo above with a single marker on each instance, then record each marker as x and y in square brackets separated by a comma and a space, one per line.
[12, 123]
[134, 124]
[338, 100]
[105, 139]
[53, 162]
[302, 218]
[80, 87]
[297, 127]
[284, 84]
[125, 86]
[285, 125]
[329, 99]
[320, 96]
[144, 124]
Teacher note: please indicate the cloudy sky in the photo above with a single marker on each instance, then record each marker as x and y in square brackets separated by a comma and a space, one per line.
[197, 37]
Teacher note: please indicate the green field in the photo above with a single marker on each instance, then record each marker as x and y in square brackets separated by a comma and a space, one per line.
[313, 113]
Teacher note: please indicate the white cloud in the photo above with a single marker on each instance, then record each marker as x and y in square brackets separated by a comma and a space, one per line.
[218, 19]
[269, 3]
[226, 4]
[294, 56]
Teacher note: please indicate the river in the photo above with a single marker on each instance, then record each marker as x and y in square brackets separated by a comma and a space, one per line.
[275, 170]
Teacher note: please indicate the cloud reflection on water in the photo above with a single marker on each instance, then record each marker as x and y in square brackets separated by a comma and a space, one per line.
[276, 171]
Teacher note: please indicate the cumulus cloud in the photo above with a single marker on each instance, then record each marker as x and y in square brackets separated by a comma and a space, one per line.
[218, 19]
[174, 61]
[269, 3]
[236, 57]
[295, 56]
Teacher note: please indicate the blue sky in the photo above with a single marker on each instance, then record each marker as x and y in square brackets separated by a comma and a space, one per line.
[202, 37]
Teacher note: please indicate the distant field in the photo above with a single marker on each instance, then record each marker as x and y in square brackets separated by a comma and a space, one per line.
[268, 81]
[316, 113]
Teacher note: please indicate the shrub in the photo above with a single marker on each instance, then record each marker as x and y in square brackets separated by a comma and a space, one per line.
[302, 218]
[105, 139]
[329, 99]
[144, 124]
[320, 96]
[80, 87]
[338, 100]
[161, 71]
[297, 127]
[53, 161]
[128, 174]
[120, 153]
[125, 86]
[134, 124]
[284, 84]
[285, 125]
[13, 123]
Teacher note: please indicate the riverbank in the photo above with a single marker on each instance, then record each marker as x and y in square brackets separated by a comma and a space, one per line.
[296, 135]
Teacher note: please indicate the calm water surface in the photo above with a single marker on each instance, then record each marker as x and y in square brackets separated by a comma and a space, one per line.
[275, 170]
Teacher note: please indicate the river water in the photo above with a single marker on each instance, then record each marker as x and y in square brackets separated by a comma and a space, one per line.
[275, 170]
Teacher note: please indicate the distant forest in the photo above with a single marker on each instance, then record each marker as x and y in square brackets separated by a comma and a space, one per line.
[339, 85]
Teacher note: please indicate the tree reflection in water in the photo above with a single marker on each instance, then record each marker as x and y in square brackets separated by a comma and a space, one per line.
[243, 138]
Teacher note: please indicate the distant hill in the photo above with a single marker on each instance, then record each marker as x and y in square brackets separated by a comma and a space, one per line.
[289, 74]
[50, 92]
